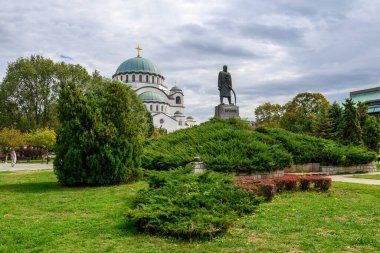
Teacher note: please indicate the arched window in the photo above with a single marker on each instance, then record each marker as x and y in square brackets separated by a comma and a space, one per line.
[146, 78]
[180, 122]
[157, 108]
[140, 78]
[151, 108]
[178, 100]
[152, 79]
[162, 108]
[121, 78]
[133, 78]
[126, 78]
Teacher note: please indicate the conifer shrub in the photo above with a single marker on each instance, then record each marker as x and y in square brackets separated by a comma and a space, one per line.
[309, 149]
[189, 206]
[224, 145]
[100, 136]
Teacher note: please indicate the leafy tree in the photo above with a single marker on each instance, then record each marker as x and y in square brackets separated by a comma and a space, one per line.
[323, 126]
[100, 135]
[42, 138]
[269, 115]
[10, 138]
[300, 113]
[29, 91]
[335, 114]
[371, 134]
[349, 128]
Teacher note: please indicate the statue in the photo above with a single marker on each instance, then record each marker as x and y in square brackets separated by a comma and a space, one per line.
[225, 85]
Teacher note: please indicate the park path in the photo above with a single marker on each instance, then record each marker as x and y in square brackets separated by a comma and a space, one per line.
[25, 166]
[348, 179]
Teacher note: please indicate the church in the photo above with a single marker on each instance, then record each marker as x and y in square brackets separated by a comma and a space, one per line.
[166, 106]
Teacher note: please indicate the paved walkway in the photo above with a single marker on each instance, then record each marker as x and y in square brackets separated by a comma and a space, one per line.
[348, 179]
[25, 166]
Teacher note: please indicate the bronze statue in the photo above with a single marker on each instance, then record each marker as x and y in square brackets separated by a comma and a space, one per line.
[225, 85]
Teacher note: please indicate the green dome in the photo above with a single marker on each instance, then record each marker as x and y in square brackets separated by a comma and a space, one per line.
[150, 96]
[175, 88]
[178, 113]
[138, 64]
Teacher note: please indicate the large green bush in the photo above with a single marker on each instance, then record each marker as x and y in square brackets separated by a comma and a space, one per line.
[224, 145]
[231, 145]
[189, 206]
[307, 149]
[99, 140]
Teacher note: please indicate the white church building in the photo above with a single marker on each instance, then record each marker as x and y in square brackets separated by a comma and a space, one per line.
[166, 106]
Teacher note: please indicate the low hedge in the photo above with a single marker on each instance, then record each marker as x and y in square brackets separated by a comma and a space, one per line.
[269, 187]
[189, 206]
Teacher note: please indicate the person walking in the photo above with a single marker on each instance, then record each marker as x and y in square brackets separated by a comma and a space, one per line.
[13, 157]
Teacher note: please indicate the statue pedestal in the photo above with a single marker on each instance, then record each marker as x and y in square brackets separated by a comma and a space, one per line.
[227, 111]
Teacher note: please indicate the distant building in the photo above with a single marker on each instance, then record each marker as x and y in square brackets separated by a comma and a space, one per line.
[166, 106]
[370, 97]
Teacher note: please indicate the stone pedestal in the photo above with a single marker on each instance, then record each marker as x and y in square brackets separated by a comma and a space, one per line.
[227, 111]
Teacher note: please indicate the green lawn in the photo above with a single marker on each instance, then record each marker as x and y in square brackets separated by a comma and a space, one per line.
[37, 214]
[377, 176]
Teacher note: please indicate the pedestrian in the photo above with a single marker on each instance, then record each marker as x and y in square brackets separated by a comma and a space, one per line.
[13, 157]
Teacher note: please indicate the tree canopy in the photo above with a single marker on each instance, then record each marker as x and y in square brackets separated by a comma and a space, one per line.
[29, 91]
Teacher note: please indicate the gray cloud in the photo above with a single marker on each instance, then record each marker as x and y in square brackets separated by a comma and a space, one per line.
[274, 49]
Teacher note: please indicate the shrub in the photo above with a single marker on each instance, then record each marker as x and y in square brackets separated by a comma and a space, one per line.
[267, 189]
[286, 183]
[99, 140]
[304, 183]
[309, 149]
[321, 183]
[224, 145]
[189, 206]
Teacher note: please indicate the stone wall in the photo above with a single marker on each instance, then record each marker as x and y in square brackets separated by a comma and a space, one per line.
[303, 168]
[362, 168]
[262, 175]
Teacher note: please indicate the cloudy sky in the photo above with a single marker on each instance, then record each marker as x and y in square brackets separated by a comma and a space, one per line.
[274, 49]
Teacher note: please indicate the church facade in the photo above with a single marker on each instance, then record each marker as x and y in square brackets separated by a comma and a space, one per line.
[165, 105]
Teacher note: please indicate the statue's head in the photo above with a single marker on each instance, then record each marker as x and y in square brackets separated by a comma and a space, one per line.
[225, 68]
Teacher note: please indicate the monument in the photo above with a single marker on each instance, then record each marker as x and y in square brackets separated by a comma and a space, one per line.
[229, 110]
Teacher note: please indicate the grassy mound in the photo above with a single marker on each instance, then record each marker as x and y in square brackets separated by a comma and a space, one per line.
[231, 145]
[188, 206]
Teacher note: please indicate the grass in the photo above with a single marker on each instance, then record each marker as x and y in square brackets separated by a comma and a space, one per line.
[37, 214]
[377, 176]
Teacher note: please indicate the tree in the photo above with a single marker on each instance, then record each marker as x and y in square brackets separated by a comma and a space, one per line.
[100, 136]
[349, 129]
[300, 113]
[362, 113]
[371, 134]
[42, 138]
[29, 91]
[269, 115]
[10, 138]
[323, 126]
[335, 115]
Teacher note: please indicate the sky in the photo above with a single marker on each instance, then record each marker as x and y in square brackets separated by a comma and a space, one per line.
[273, 49]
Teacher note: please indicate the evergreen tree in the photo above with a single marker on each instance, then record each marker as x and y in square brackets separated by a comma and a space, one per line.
[335, 115]
[323, 126]
[362, 113]
[349, 127]
[371, 134]
[100, 137]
